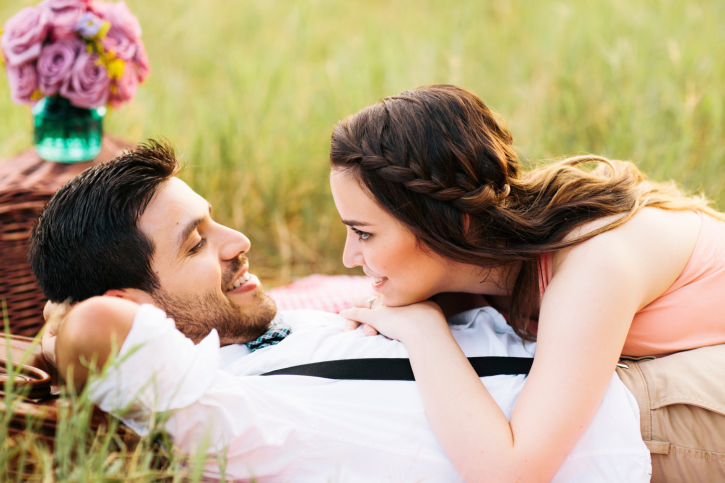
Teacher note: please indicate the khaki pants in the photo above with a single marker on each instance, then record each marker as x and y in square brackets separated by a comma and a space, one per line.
[681, 399]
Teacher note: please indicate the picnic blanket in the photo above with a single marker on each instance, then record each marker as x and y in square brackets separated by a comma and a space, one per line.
[331, 293]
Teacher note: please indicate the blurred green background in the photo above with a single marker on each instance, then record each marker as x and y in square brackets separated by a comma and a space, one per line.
[248, 92]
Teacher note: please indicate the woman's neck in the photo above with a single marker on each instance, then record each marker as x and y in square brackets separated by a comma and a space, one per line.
[496, 281]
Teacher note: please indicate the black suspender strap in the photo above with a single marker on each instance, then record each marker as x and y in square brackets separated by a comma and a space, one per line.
[398, 369]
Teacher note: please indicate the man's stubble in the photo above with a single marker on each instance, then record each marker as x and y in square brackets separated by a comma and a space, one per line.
[196, 315]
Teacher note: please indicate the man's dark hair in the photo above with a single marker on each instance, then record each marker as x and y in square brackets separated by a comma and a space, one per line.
[86, 241]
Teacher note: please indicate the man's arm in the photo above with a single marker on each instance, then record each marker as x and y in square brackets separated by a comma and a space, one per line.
[89, 333]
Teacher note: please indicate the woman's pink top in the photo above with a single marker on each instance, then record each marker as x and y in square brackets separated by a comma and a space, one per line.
[687, 315]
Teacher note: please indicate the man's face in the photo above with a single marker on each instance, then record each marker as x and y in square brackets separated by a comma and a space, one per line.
[202, 270]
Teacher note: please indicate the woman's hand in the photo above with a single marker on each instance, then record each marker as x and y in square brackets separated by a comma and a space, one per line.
[399, 323]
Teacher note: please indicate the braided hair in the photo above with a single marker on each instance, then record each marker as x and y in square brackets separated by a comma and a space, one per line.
[442, 163]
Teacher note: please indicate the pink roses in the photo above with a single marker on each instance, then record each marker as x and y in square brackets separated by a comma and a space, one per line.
[88, 84]
[65, 14]
[55, 64]
[88, 51]
[24, 35]
[23, 82]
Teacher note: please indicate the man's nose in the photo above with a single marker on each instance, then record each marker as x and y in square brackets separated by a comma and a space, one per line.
[351, 255]
[235, 244]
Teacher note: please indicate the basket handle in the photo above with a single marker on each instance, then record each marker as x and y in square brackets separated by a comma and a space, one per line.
[38, 381]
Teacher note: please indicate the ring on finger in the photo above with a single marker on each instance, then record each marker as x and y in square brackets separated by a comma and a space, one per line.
[371, 300]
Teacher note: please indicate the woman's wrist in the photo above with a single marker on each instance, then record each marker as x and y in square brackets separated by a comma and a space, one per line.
[429, 332]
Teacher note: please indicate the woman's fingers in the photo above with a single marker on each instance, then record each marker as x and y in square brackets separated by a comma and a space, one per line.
[360, 315]
[356, 317]
[351, 325]
[366, 300]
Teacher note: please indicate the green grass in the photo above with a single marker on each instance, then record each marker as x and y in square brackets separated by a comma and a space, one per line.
[249, 91]
[78, 452]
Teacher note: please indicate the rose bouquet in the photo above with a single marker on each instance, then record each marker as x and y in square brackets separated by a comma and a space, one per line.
[87, 51]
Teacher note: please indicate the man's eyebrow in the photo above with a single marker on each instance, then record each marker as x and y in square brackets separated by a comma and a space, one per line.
[189, 229]
[355, 223]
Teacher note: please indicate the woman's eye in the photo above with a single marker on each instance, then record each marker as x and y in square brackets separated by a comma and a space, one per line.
[198, 246]
[362, 235]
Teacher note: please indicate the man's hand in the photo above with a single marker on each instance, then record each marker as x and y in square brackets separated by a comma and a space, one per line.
[52, 313]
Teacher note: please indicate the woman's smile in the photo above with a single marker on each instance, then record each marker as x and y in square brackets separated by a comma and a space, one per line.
[401, 269]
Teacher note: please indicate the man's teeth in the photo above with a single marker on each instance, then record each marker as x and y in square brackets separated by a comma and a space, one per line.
[243, 278]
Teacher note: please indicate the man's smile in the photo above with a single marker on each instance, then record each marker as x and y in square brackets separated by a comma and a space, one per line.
[243, 278]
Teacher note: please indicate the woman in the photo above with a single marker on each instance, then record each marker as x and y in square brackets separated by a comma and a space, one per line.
[592, 264]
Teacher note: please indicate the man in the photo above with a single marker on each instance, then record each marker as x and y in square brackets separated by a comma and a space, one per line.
[133, 232]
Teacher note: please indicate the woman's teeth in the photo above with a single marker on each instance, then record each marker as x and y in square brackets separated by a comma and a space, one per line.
[238, 282]
[378, 281]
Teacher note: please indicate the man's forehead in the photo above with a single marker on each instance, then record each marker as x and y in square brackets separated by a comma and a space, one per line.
[173, 205]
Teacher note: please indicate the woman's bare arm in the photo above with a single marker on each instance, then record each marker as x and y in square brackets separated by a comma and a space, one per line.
[583, 323]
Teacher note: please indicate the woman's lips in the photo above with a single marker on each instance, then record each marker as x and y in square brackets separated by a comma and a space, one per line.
[378, 282]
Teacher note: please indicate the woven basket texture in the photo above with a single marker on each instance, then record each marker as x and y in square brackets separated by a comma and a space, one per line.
[26, 185]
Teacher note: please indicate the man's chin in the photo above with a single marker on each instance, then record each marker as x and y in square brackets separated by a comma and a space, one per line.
[256, 318]
[196, 315]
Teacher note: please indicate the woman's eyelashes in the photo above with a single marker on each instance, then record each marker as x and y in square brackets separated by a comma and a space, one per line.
[361, 235]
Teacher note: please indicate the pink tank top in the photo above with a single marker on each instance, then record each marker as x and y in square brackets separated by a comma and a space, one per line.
[687, 315]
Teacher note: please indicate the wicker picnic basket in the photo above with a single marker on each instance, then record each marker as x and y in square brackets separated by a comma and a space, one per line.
[26, 185]
[36, 414]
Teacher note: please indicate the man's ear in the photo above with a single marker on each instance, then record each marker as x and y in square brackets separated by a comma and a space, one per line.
[132, 294]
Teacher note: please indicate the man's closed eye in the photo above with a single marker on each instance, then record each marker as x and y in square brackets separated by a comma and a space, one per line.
[197, 248]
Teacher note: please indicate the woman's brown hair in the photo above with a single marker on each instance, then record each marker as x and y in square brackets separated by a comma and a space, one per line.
[439, 161]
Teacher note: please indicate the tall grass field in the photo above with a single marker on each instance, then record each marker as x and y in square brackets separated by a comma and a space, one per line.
[248, 92]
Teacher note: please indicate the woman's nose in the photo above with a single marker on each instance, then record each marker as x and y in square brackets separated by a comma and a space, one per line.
[351, 256]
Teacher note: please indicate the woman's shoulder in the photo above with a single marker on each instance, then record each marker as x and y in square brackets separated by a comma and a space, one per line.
[647, 223]
[658, 243]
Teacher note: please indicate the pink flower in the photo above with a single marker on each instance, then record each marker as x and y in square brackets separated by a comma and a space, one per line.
[117, 42]
[64, 15]
[143, 67]
[55, 64]
[61, 4]
[88, 84]
[23, 82]
[125, 87]
[24, 34]
[119, 16]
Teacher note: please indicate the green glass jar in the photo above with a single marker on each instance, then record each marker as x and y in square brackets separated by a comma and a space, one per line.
[65, 133]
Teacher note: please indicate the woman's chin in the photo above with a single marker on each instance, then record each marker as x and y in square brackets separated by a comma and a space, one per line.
[398, 300]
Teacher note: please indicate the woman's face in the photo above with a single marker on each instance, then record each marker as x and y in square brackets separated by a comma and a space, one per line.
[403, 272]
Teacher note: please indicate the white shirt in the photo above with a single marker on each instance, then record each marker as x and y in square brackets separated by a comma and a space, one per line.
[299, 428]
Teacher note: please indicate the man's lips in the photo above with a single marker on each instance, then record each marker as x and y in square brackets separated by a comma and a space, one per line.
[242, 278]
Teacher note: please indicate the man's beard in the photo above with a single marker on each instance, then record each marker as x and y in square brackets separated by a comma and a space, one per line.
[196, 316]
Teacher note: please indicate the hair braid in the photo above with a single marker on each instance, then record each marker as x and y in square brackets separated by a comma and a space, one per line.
[434, 154]
[464, 194]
